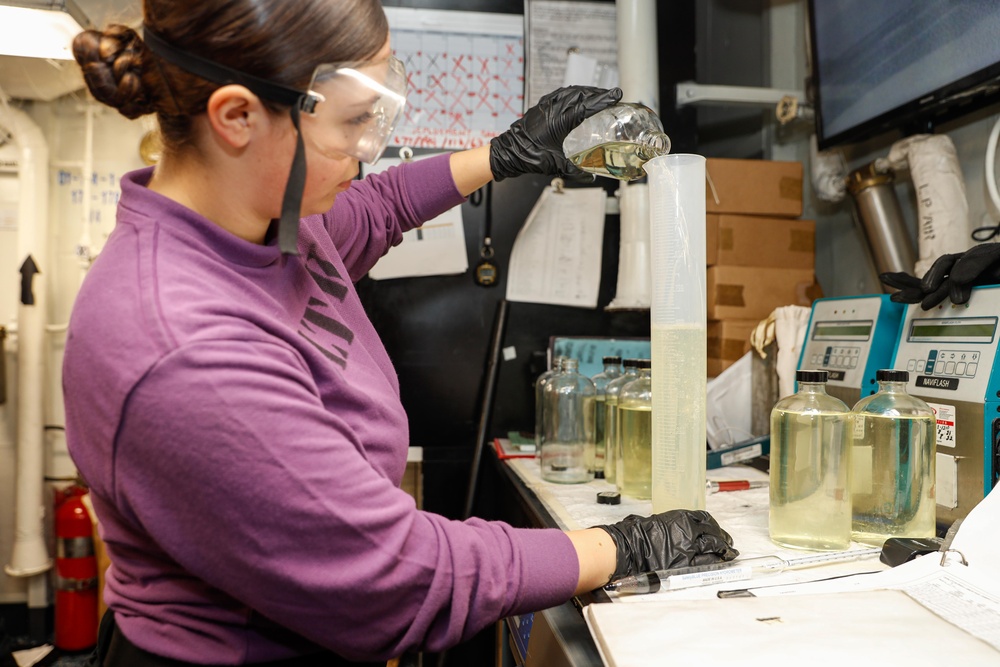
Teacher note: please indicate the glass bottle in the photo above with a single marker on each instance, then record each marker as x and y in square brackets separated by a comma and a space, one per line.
[617, 141]
[540, 383]
[893, 461]
[612, 449]
[810, 468]
[568, 426]
[612, 370]
[635, 428]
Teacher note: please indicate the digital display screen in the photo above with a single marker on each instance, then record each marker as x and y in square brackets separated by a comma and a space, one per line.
[879, 66]
[968, 330]
[853, 330]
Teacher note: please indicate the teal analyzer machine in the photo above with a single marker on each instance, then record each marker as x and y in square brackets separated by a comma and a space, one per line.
[851, 338]
[951, 354]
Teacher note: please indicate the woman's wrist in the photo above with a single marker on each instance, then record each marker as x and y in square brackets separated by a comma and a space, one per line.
[597, 554]
[470, 169]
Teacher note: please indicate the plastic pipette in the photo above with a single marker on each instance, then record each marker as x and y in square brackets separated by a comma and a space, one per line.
[722, 573]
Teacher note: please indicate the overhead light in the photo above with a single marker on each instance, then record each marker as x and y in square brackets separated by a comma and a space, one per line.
[40, 28]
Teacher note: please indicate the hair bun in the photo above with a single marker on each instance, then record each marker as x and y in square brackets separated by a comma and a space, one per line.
[112, 64]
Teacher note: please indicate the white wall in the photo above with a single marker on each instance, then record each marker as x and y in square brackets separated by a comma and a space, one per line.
[116, 150]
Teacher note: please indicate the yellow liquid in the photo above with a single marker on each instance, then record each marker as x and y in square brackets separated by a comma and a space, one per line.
[678, 353]
[617, 159]
[600, 420]
[611, 439]
[636, 422]
[810, 496]
[893, 481]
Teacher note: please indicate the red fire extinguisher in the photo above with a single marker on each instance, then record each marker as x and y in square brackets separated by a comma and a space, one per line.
[76, 577]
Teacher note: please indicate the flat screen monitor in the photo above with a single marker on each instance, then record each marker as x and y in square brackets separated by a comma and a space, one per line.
[905, 65]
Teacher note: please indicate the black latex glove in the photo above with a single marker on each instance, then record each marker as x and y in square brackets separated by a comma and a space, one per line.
[677, 538]
[979, 265]
[951, 276]
[912, 289]
[533, 144]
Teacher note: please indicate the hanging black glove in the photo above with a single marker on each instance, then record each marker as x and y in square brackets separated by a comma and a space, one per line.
[979, 265]
[533, 144]
[950, 276]
[677, 538]
[929, 291]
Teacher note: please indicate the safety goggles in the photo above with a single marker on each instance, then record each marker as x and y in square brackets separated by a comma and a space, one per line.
[354, 108]
[349, 110]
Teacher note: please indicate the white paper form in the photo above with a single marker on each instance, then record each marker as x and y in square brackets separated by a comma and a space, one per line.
[465, 75]
[557, 254]
[436, 248]
[967, 595]
[553, 29]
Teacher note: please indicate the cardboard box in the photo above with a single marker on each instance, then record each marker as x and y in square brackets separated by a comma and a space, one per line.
[743, 240]
[751, 292]
[716, 366]
[728, 341]
[753, 187]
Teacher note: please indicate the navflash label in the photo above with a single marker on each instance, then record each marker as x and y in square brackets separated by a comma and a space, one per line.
[950, 384]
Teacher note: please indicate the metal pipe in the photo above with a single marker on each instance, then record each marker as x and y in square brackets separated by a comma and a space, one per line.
[875, 197]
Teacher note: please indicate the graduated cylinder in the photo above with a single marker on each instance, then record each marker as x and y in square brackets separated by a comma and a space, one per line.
[678, 330]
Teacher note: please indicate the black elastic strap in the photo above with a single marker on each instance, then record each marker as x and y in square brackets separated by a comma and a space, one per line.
[217, 73]
[291, 203]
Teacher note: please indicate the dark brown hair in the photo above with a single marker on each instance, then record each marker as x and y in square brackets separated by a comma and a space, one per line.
[277, 40]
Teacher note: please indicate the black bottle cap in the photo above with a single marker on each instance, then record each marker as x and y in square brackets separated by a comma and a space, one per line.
[643, 363]
[612, 360]
[598, 474]
[630, 363]
[811, 376]
[889, 375]
[609, 498]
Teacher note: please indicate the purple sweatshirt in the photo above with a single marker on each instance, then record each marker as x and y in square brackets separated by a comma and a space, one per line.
[239, 424]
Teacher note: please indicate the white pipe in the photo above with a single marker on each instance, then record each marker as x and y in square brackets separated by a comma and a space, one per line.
[638, 60]
[639, 76]
[30, 557]
[83, 248]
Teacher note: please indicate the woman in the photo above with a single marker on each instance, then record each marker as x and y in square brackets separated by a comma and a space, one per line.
[228, 401]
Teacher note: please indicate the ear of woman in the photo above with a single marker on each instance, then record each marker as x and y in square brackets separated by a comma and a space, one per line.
[234, 114]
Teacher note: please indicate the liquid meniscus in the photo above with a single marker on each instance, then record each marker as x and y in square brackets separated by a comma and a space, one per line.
[617, 159]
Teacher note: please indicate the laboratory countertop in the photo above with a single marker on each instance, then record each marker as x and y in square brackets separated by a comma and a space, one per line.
[744, 514]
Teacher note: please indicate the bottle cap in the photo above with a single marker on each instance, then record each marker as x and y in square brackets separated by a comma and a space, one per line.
[643, 363]
[630, 363]
[609, 498]
[889, 375]
[811, 376]
[598, 474]
[612, 360]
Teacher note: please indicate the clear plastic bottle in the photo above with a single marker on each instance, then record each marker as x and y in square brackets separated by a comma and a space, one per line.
[612, 371]
[540, 383]
[810, 468]
[612, 444]
[568, 426]
[617, 141]
[893, 461]
[635, 418]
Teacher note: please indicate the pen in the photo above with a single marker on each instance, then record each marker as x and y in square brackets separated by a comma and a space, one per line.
[733, 485]
[722, 573]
